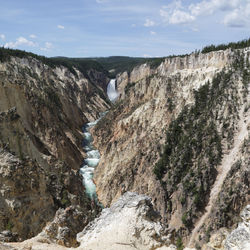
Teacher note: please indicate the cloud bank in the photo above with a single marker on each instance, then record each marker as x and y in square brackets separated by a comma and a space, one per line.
[235, 13]
[20, 41]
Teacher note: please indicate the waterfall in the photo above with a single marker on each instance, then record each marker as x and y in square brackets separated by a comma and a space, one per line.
[111, 91]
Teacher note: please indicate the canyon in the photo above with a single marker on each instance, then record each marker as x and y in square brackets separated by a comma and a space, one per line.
[43, 109]
[197, 99]
[166, 144]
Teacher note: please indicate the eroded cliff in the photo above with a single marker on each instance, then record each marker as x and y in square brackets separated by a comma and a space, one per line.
[200, 101]
[42, 110]
[131, 223]
[178, 133]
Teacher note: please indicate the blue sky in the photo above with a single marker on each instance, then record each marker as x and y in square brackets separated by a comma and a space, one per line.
[85, 28]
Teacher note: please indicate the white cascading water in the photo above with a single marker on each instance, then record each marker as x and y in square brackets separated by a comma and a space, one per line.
[111, 91]
[92, 160]
[93, 155]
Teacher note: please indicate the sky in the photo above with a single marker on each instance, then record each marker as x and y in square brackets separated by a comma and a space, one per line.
[141, 28]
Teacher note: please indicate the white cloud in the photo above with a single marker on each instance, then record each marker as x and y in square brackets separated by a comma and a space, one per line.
[176, 4]
[60, 27]
[133, 25]
[101, 1]
[2, 36]
[174, 13]
[236, 13]
[149, 23]
[239, 17]
[177, 17]
[152, 33]
[234, 19]
[210, 6]
[136, 9]
[19, 42]
[32, 36]
[47, 46]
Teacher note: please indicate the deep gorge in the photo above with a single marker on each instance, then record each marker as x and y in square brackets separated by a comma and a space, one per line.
[161, 129]
[88, 168]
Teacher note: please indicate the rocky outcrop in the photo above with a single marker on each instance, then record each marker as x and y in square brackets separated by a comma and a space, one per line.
[202, 93]
[42, 111]
[129, 223]
[195, 69]
[8, 236]
[25, 203]
[238, 239]
[66, 224]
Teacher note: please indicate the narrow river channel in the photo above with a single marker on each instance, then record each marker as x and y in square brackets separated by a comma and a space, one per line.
[93, 155]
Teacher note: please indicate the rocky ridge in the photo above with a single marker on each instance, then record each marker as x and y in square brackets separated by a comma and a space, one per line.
[42, 110]
[237, 239]
[204, 91]
[132, 223]
[200, 100]
[128, 224]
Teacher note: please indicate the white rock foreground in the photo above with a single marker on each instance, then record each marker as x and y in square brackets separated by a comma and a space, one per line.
[240, 237]
[132, 223]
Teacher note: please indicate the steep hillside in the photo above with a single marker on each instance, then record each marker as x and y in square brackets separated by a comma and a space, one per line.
[43, 107]
[178, 133]
[131, 223]
[170, 134]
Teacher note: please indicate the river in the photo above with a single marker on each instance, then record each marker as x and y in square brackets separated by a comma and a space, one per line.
[93, 155]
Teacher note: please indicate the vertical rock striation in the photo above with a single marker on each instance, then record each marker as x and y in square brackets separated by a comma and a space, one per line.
[196, 99]
[42, 110]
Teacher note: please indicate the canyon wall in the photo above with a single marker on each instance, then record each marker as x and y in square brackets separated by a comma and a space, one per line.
[42, 111]
[169, 132]
[177, 133]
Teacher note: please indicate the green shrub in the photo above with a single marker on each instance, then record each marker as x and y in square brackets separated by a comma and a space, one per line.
[179, 244]
[65, 200]
[9, 225]
[186, 220]
[53, 97]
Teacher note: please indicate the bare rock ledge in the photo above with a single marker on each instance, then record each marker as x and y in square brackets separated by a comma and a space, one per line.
[130, 223]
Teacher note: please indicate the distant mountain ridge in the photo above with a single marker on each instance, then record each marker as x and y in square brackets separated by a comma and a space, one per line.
[112, 64]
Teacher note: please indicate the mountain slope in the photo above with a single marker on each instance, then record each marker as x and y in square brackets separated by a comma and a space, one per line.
[42, 110]
[178, 133]
[195, 100]
[224, 168]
